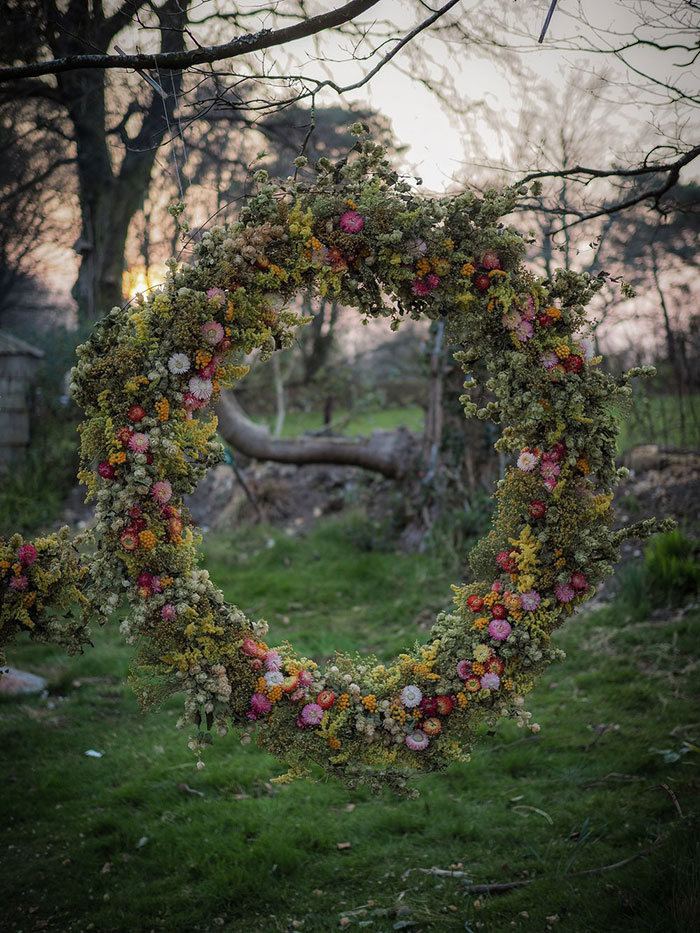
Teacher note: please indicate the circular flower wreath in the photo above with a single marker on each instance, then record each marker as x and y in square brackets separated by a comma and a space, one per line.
[147, 379]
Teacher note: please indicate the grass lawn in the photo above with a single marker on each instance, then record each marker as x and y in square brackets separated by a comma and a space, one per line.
[662, 419]
[360, 422]
[138, 840]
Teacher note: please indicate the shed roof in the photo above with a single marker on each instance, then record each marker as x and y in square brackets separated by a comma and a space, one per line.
[13, 346]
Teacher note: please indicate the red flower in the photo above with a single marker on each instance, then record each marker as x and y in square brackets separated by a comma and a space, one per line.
[499, 611]
[475, 603]
[494, 666]
[129, 539]
[482, 282]
[544, 320]
[429, 706]
[444, 705]
[538, 509]
[558, 452]
[573, 363]
[506, 562]
[326, 699]
[123, 435]
[472, 685]
[137, 413]
[106, 470]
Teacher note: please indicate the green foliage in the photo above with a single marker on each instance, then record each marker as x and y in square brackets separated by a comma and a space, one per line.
[672, 569]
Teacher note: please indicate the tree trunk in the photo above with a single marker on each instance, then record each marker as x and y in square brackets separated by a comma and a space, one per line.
[391, 453]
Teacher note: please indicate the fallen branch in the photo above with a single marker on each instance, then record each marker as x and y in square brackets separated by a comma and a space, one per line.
[387, 452]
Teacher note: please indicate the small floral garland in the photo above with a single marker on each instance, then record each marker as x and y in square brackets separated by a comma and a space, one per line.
[147, 379]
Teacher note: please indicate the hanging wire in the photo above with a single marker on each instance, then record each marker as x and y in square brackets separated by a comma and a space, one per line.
[170, 132]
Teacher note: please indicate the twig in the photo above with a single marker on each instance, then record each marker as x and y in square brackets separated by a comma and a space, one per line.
[673, 797]
[504, 887]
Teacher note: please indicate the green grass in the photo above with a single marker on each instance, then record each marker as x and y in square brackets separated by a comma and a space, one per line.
[138, 840]
[360, 422]
[656, 419]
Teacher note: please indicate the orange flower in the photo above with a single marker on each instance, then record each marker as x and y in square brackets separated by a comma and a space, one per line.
[554, 313]
[147, 540]
[334, 742]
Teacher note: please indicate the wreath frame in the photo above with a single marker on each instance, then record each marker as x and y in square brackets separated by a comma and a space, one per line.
[147, 378]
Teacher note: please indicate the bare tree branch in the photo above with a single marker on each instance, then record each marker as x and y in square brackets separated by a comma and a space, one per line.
[241, 45]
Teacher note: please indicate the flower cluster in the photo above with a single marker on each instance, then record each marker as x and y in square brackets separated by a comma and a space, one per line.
[148, 378]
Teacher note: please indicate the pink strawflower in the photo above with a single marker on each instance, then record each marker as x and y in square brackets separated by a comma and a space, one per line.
[19, 583]
[312, 714]
[496, 586]
[201, 388]
[351, 222]
[250, 647]
[432, 281]
[27, 554]
[490, 681]
[418, 287]
[524, 330]
[417, 740]
[550, 483]
[564, 592]
[499, 629]
[530, 600]
[192, 403]
[416, 247]
[549, 469]
[491, 260]
[156, 585]
[259, 703]
[139, 443]
[208, 371]
[144, 579]
[411, 696]
[169, 612]
[511, 319]
[216, 294]
[273, 661]
[578, 581]
[212, 332]
[527, 309]
[162, 491]
[549, 359]
[464, 669]
[527, 461]
[306, 678]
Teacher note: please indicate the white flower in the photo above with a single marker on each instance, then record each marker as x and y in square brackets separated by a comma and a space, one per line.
[178, 364]
[527, 461]
[274, 678]
[411, 696]
[201, 388]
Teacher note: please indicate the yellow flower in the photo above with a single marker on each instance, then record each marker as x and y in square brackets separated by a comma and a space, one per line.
[583, 465]
[482, 653]
[481, 622]
[478, 668]
[422, 267]
[468, 269]
[554, 313]
[562, 351]
[334, 742]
